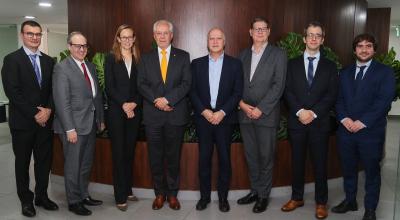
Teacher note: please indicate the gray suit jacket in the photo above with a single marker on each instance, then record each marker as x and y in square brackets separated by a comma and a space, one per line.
[76, 108]
[265, 89]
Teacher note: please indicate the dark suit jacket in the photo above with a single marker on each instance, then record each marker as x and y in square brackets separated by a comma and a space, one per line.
[23, 90]
[121, 88]
[320, 97]
[175, 90]
[229, 91]
[266, 88]
[372, 100]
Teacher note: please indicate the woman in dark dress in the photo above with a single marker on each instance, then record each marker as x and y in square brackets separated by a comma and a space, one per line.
[124, 110]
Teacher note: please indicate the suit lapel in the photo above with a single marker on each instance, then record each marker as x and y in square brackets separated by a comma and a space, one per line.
[247, 65]
[171, 66]
[366, 78]
[224, 78]
[78, 72]
[205, 79]
[301, 72]
[318, 71]
[157, 68]
[263, 60]
[92, 71]
[28, 63]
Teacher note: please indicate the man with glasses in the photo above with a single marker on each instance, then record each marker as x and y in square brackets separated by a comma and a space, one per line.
[26, 76]
[264, 67]
[78, 114]
[311, 91]
[164, 81]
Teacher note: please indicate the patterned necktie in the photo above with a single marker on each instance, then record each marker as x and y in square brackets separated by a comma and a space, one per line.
[36, 68]
[359, 76]
[310, 72]
[86, 75]
[164, 65]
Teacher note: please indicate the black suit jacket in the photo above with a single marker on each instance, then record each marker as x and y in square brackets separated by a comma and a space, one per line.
[23, 90]
[121, 88]
[320, 97]
[175, 89]
[229, 91]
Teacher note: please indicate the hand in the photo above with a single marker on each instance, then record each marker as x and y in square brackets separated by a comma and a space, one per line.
[42, 116]
[217, 117]
[72, 136]
[167, 108]
[348, 123]
[207, 114]
[128, 106]
[255, 113]
[130, 114]
[357, 126]
[306, 116]
[246, 108]
[160, 103]
[102, 127]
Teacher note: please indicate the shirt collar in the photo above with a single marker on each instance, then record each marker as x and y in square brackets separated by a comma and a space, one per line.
[168, 49]
[77, 61]
[219, 58]
[29, 52]
[364, 64]
[317, 55]
[262, 48]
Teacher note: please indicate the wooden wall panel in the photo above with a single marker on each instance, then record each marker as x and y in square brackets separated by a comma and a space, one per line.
[378, 24]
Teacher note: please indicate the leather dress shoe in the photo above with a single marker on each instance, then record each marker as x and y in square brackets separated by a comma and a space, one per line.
[292, 205]
[158, 202]
[345, 206]
[91, 202]
[174, 203]
[46, 203]
[79, 209]
[28, 210]
[202, 204]
[132, 198]
[261, 205]
[321, 211]
[123, 207]
[369, 214]
[223, 205]
[249, 198]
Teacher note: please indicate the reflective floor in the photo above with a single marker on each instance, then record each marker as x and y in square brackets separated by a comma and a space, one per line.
[10, 206]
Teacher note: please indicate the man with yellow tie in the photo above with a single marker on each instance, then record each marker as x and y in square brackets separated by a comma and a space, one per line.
[164, 81]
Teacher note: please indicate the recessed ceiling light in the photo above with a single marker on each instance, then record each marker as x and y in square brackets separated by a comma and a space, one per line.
[45, 4]
[30, 17]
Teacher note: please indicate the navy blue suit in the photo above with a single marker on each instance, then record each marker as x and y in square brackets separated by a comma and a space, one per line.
[229, 94]
[369, 103]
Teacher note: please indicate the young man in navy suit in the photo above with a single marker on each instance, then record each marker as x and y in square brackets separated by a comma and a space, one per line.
[217, 88]
[366, 91]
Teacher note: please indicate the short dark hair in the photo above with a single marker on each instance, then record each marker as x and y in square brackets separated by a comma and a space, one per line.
[365, 37]
[314, 24]
[257, 19]
[30, 23]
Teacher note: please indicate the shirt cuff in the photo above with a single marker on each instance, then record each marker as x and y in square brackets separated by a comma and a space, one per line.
[344, 119]
[315, 116]
[70, 130]
[298, 112]
[223, 112]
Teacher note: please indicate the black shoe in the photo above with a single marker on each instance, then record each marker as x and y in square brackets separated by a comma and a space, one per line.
[261, 205]
[369, 214]
[249, 198]
[79, 209]
[91, 202]
[345, 206]
[224, 205]
[202, 204]
[28, 210]
[46, 203]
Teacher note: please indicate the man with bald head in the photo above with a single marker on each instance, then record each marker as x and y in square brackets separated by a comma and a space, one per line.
[164, 82]
[79, 113]
[217, 87]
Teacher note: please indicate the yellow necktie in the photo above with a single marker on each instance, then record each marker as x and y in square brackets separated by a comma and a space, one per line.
[164, 65]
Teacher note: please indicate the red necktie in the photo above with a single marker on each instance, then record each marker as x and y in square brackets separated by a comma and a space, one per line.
[86, 75]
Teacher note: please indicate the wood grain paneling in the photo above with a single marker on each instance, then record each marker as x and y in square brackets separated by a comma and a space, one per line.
[378, 24]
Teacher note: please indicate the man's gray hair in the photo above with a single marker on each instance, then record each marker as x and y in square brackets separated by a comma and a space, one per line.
[155, 25]
[72, 34]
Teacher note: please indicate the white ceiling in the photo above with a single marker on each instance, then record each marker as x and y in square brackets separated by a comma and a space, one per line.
[55, 18]
[394, 4]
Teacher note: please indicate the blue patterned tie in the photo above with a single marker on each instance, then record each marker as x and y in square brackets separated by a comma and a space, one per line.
[310, 72]
[36, 68]
[359, 76]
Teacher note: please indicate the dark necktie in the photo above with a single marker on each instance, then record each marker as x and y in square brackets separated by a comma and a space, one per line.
[310, 72]
[359, 76]
[86, 75]
[36, 68]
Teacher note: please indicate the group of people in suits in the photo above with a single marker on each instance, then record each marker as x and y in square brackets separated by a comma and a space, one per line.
[223, 91]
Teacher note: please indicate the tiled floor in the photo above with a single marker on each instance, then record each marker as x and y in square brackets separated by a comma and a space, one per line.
[10, 208]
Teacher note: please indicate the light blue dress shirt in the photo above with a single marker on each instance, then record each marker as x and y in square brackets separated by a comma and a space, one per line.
[367, 64]
[315, 61]
[214, 75]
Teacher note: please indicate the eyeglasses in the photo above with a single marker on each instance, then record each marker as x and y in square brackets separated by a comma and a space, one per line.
[264, 29]
[31, 34]
[80, 46]
[159, 34]
[314, 36]
[126, 39]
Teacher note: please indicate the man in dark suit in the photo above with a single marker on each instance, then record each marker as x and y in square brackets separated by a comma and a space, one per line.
[366, 91]
[264, 67]
[217, 87]
[79, 113]
[164, 81]
[26, 76]
[311, 91]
